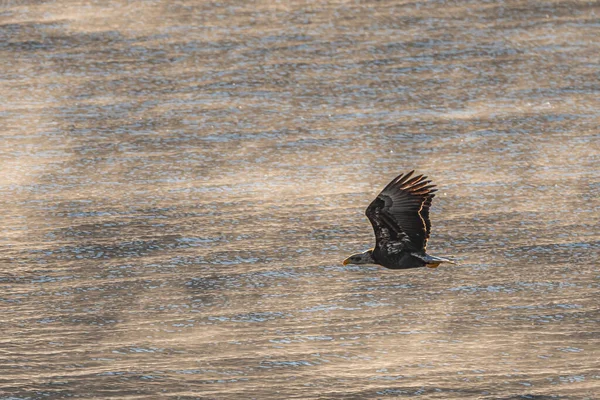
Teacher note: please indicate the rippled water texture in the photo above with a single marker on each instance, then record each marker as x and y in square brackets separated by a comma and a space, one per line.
[182, 179]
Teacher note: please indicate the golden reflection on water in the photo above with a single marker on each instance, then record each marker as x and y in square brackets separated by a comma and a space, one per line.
[181, 180]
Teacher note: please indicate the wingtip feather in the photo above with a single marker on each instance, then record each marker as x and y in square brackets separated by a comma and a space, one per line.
[403, 178]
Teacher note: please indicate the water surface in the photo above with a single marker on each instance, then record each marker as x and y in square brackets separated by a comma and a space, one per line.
[182, 179]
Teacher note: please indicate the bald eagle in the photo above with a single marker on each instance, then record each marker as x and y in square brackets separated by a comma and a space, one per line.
[400, 219]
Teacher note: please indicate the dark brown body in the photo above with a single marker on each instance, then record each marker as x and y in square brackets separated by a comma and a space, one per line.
[403, 260]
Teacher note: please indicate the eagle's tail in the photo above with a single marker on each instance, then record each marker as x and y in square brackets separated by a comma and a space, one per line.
[433, 261]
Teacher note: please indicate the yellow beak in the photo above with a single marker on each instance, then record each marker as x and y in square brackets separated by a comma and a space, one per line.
[346, 261]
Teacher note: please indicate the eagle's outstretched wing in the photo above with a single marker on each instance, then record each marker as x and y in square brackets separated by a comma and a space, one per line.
[400, 214]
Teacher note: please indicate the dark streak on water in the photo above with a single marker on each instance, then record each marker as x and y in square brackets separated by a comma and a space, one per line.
[180, 181]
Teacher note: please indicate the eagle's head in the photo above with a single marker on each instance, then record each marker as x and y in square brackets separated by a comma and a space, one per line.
[366, 257]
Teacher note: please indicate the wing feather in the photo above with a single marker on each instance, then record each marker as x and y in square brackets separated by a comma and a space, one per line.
[400, 213]
[425, 216]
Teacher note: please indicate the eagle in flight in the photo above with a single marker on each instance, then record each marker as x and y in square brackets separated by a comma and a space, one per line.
[400, 219]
